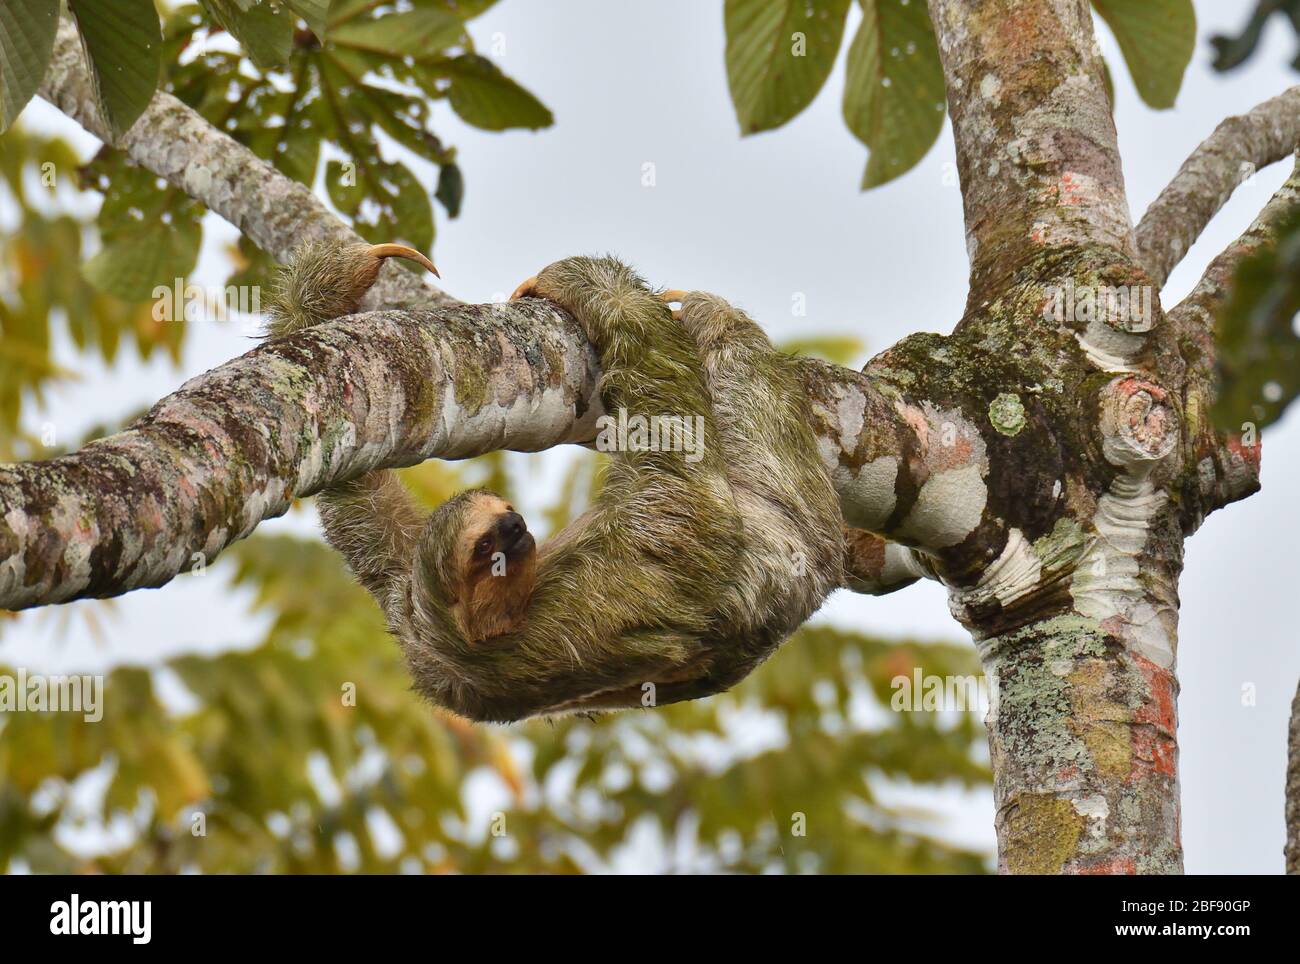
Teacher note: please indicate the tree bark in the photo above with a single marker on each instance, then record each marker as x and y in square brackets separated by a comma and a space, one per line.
[1238, 148]
[1074, 609]
[237, 445]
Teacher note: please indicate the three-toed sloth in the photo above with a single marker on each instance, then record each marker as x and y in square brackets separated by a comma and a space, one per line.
[689, 569]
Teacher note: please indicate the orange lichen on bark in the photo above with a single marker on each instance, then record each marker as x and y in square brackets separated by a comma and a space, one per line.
[1155, 744]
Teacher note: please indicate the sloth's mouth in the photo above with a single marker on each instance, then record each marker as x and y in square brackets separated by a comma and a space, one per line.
[522, 543]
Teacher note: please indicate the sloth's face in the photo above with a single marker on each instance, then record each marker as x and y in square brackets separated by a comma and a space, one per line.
[497, 562]
[500, 535]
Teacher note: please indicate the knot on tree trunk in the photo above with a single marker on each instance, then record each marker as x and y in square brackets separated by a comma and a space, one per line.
[1139, 425]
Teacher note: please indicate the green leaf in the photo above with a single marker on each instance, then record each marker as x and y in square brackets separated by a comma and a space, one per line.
[416, 33]
[315, 12]
[265, 33]
[1157, 38]
[122, 41]
[151, 235]
[384, 201]
[1259, 345]
[893, 93]
[779, 54]
[486, 98]
[451, 188]
[341, 11]
[466, 9]
[26, 38]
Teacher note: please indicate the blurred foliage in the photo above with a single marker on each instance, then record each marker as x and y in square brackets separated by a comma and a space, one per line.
[836, 349]
[45, 230]
[1258, 337]
[309, 753]
[353, 84]
[779, 54]
[362, 97]
[1230, 52]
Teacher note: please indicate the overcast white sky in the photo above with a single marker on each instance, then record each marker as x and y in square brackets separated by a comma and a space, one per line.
[758, 220]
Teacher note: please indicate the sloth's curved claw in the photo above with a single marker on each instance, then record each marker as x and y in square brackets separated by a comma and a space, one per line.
[382, 251]
[528, 289]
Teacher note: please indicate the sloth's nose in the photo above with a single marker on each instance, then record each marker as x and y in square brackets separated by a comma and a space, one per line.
[511, 526]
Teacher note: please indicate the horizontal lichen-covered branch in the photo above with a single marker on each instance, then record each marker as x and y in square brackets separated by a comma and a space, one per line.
[237, 445]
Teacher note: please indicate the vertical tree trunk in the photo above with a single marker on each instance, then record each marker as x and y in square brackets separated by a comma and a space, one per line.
[1069, 584]
[1083, 741]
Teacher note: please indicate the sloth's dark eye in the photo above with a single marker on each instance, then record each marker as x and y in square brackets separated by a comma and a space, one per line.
[484, 546]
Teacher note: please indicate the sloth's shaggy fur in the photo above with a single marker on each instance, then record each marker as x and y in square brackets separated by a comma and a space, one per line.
[680, 579]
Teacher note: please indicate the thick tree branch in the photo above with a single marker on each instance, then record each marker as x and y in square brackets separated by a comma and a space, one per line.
[1227, 468]
[1199, 309]
[278, 214]
[1237, 149]
[177, 144]
[235, 446]
[1036, 149]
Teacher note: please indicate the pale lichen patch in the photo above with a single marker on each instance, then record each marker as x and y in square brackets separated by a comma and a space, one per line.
[991, 89]
[868, 498]
[947, 509]
[1107, 585]
[1012, 576]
